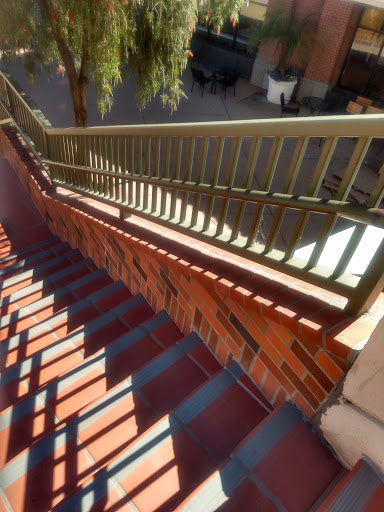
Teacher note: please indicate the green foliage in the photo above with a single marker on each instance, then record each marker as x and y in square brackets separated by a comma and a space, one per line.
[288, 34]
[105, 39]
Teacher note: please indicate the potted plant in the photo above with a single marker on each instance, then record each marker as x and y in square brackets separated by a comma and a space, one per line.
[289, 35]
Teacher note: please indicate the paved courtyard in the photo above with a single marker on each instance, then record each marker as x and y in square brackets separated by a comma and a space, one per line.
[52, 96]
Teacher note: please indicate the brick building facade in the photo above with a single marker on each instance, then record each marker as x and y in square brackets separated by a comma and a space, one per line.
[337, 21]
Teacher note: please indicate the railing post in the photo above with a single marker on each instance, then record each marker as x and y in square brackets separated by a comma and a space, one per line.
[370, 285]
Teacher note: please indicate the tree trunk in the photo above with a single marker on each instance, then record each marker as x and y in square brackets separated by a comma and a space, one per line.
[77, 85]
[79, 90]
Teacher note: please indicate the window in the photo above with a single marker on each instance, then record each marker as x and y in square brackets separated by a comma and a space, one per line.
[364, 69]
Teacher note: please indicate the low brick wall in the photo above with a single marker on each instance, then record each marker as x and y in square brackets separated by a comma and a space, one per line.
[292, 343]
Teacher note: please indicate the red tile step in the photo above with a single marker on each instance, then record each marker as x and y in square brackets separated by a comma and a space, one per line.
[63, 354]
[161, 467]
[44, 287]
[18, 282]
[44, 308]
[33, 261]
[222, 412]
[109, 425]
[65, 396]
[361, 490]
[28, 252]
[281, 465]
[41, 334]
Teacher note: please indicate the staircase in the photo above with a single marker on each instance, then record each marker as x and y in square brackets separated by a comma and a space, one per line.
[106, 406]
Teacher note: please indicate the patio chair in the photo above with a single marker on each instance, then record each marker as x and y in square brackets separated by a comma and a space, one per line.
[292, 108]
[199, 77]
[228, 81]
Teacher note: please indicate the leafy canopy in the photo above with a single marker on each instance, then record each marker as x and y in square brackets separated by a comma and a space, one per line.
[104, 39]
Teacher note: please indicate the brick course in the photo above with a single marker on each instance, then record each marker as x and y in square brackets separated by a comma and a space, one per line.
[282, 350]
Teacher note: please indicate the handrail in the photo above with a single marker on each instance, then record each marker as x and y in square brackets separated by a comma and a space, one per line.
[199, 179]
[324, 126]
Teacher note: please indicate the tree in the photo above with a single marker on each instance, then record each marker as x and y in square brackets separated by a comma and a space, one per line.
[103, 39]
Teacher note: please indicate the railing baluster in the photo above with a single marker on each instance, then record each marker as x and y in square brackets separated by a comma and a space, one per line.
[216, 165]
[204, 145]
[176, 174]
[156, 171]
[109, 142]
[187, 176]
[342, 193]
[247, 181]
[297, 159]
[369, 286]
[233, 159]
[265, 186]
[83, 161]
[88, 163]
[313, 190]
[123, 169]
[131, 167]
[99, 164]
[117, 160]
[70, 157]
[54, 171]
[166, 163]
[359, 231]
[147, 170]
[139, 166]
[104, 156]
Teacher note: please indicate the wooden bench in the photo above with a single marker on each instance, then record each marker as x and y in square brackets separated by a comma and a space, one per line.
[374, 110]
[354, 108]
[365, 102]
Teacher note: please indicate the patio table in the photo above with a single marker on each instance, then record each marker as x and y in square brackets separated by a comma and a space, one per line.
[314, 104]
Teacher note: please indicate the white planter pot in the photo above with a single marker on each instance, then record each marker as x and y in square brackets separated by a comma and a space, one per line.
[276, 88]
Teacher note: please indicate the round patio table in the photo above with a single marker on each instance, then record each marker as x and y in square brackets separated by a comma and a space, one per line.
[314, 104]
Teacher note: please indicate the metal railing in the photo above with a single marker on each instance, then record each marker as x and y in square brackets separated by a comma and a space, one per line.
[235, 185]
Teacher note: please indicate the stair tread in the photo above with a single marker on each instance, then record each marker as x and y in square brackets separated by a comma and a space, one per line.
[77, 387]
[31, 340]
[288, 464]
[44, 287]
[31, 249]
[35, 259]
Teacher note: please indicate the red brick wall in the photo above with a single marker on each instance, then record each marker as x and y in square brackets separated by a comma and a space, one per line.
[346, 44]
[285, 343]
[333, 28]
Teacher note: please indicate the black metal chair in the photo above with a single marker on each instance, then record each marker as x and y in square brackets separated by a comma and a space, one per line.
[199, 77]
[292, 108]
[228, 80]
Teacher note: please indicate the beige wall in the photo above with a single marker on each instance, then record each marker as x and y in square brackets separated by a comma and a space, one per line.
[354, 424]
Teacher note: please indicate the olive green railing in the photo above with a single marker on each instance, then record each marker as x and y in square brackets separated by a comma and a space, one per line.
[221, 182]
